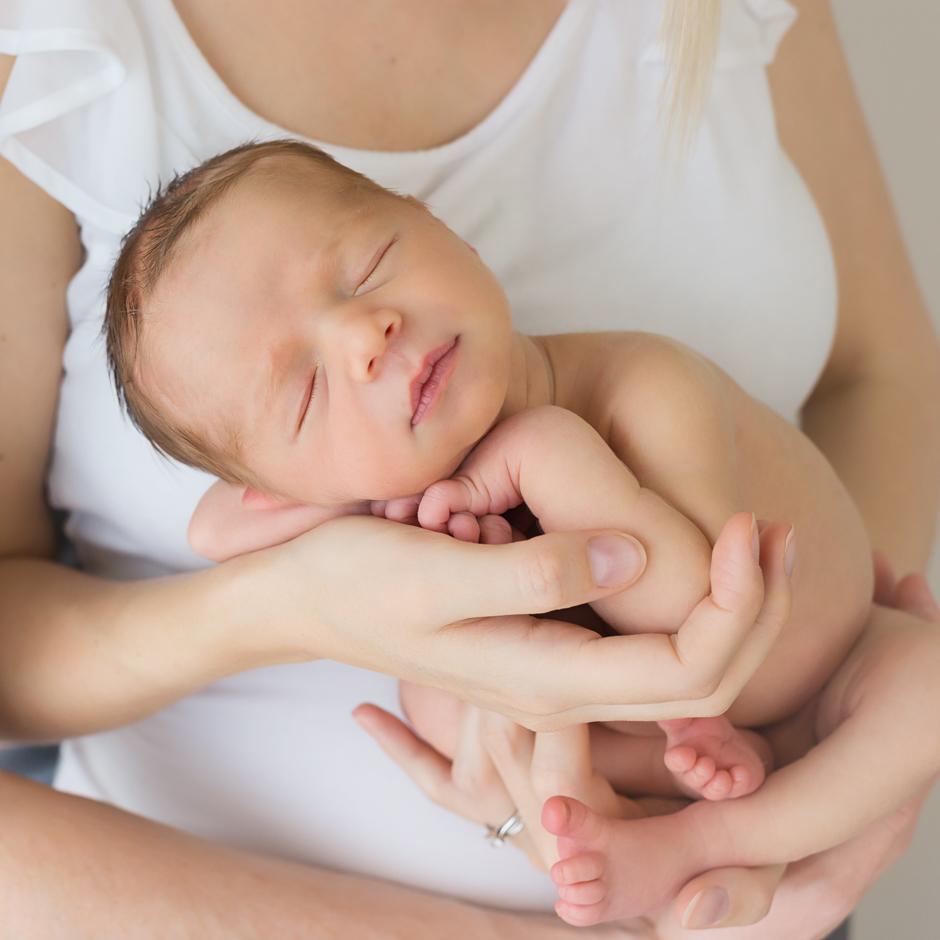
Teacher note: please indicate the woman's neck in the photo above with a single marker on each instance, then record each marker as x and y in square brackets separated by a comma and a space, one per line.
[531, 378]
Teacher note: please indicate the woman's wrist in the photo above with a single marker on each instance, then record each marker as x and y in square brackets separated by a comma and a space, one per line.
[84, 654]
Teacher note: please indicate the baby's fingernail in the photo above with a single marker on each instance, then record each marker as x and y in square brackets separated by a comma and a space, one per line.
[755, 539]
[789, 555]
[707, 909]
[615, 559]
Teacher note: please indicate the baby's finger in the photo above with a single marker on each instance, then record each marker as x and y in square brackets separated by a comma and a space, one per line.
[441, 500]
[404, 510]
[495, 530]
[464, 526]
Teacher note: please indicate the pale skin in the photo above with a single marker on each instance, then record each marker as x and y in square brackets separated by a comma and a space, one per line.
[874, 415]
[348, 338]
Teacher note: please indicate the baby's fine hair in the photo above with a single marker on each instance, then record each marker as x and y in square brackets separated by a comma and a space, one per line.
[148, 251]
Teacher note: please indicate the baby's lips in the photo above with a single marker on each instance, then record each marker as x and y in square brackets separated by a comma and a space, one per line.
[615, 559]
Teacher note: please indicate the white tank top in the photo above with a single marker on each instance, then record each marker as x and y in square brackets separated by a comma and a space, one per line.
[561, 188]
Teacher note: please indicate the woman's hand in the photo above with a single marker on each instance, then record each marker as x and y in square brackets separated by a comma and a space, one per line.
[457, 616]
[804, 901]
[487, 768]
[809, 898]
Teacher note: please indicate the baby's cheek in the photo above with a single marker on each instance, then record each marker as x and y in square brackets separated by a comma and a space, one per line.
[435, 715]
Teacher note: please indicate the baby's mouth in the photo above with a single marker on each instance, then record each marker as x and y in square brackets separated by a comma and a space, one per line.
[428, 386]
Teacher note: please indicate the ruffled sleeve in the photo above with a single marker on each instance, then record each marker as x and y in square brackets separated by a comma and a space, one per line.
[751, 31]
[78, 116]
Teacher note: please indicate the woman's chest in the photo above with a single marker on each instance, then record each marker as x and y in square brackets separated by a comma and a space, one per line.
[370, 74]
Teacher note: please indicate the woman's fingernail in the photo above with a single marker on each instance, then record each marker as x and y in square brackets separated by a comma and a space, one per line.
[615, 559]
[789, 555]
[755, 539]
[707, 909]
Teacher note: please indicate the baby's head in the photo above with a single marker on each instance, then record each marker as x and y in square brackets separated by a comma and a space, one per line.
[279, 320]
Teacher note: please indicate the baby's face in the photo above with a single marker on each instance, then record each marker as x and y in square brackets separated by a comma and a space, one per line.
[350, 347]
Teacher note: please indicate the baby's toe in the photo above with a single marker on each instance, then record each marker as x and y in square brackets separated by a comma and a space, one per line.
[578, 868]
[743, 780]
[571, 820]
[701, 773]
[719, 787]
[584, 892]
[680, 759]
[580, 915]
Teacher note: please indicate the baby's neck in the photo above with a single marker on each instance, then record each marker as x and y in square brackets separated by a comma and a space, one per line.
[531, 379]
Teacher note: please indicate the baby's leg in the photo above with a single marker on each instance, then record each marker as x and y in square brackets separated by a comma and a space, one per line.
[879, 724]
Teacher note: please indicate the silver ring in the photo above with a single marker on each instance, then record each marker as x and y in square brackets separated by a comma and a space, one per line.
[512, 827]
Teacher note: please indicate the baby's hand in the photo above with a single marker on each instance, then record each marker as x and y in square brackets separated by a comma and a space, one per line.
[455, 506]
[435, 510]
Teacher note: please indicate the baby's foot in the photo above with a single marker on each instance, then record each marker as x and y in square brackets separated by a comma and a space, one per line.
[613, 869]
[712, 759]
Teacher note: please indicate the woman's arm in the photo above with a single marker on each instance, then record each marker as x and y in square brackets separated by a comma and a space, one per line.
[71, 868]
[876, 410]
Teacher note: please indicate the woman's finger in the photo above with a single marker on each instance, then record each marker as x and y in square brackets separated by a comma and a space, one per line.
[914, 596]
[777, 555]
[543, 673]
[885, 582]
[728, 897]
[431, 771]
[812, 898]
[725, 639]
[510, 747]
[476, 772]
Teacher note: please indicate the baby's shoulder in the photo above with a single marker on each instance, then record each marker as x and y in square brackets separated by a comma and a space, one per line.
[630, 377]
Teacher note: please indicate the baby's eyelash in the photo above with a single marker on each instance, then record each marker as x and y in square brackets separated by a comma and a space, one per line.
[375, 267]
[313, 388]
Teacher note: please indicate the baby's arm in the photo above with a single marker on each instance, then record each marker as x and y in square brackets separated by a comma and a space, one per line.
[692, 435]
[570, 479]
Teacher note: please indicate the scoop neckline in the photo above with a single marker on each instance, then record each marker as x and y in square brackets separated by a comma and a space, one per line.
[546, 59]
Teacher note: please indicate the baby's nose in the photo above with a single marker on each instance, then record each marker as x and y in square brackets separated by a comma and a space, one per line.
[363, 338]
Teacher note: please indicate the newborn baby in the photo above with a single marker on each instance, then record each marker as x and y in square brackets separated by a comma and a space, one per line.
[327, 347]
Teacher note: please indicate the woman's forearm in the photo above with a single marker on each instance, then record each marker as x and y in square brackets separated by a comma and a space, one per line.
[72, 868]
[82, 653]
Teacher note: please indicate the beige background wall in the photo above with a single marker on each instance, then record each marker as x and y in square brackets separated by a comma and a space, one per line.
[893, 48]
